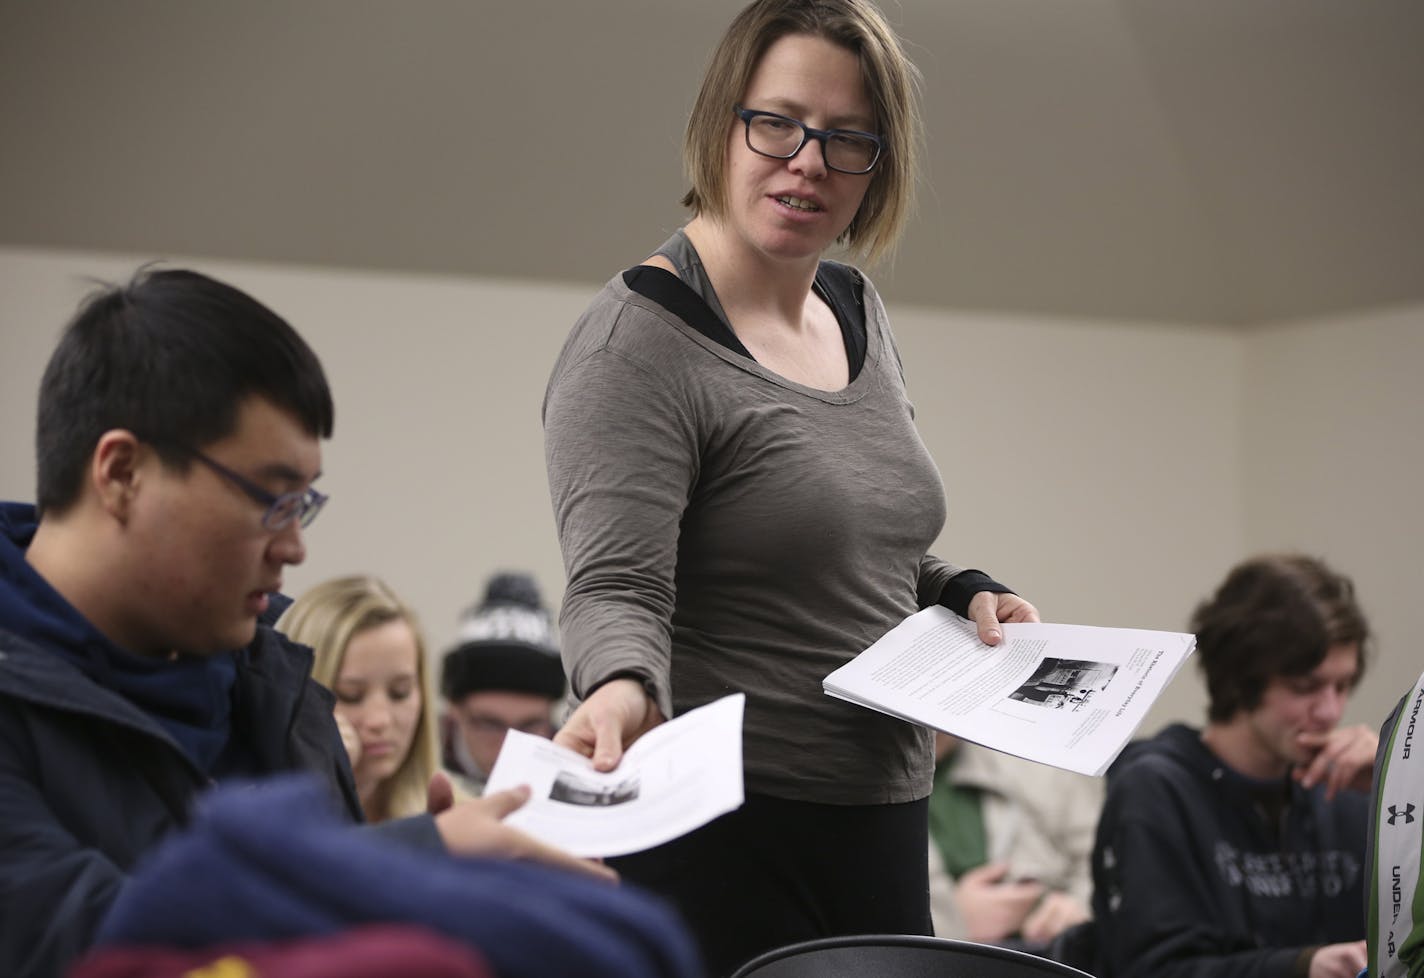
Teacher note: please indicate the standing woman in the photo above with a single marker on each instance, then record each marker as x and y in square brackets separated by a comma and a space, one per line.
[741, 496]
[370, 653]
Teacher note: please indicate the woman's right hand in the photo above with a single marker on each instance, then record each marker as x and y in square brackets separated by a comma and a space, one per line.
[614, 715]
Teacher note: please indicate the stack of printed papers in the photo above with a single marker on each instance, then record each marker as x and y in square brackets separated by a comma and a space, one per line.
[1066, 695]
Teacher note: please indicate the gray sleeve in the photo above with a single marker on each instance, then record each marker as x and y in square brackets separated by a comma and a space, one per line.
[621, 452]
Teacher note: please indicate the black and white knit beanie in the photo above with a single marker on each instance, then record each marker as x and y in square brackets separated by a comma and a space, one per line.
[506, 642]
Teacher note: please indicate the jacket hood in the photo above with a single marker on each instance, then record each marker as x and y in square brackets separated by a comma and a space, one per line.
[18, 522]
[32, 609]
[1177, 742]
[190, 696]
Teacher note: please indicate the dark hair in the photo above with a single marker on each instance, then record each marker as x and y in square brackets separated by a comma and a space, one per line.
[171, 356]
[1274, 615]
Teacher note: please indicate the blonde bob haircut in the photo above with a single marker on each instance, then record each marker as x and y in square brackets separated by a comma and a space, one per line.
[891, 81]
[326, 618]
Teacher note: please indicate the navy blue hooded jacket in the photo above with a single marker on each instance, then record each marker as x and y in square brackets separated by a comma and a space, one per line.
[90, 782]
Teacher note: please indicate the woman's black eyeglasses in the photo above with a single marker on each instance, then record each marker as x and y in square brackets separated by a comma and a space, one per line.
[782, 137]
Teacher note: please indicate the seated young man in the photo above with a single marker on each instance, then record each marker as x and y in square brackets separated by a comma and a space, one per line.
[1238, 849]
[178, 440]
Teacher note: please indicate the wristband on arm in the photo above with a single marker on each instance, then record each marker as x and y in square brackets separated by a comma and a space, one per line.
[960, 589]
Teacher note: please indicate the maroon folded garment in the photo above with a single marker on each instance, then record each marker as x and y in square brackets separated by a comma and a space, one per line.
[369, 951]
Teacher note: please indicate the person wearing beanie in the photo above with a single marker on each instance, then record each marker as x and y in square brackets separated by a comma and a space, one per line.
[503, 674]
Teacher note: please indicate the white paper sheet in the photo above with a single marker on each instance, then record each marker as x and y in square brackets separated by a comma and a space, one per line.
[1066, 695]
[676, 777]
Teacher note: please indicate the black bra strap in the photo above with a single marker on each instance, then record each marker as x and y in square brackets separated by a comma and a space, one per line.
[680, 299]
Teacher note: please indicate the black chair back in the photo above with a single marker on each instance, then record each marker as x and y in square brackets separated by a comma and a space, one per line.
[900, 956]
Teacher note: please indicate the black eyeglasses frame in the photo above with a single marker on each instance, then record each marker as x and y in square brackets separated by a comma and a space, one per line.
[807, 134]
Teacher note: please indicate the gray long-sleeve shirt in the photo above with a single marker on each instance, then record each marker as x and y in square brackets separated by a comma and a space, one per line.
[725, 529]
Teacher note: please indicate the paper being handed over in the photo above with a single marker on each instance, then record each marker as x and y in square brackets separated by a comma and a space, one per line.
[1066, 695]
[676, 777]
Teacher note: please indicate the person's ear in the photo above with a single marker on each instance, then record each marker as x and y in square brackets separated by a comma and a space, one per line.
[115, 471]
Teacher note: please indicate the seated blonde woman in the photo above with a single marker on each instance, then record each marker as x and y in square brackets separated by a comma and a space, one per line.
[370, 653]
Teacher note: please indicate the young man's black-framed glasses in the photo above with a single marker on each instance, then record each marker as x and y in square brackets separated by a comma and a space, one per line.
[301, 505]
[782, 137]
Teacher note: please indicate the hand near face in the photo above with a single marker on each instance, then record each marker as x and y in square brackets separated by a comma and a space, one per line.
[988, 609]
[439, 794]
[1343, 758]
[614, 715]
[476, 828]
[991, 905]
[350, 739]
[1338, 960]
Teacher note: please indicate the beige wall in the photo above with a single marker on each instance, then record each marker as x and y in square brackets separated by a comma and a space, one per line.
[1094, 468]
[1334, 463]
[1110, 472]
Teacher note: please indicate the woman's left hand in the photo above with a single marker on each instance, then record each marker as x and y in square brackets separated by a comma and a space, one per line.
[988, 609]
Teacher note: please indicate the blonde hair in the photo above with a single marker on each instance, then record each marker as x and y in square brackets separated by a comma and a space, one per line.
[891, 81]
[326, 618]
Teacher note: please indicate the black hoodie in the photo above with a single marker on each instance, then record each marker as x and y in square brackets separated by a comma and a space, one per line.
[1193, 877]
